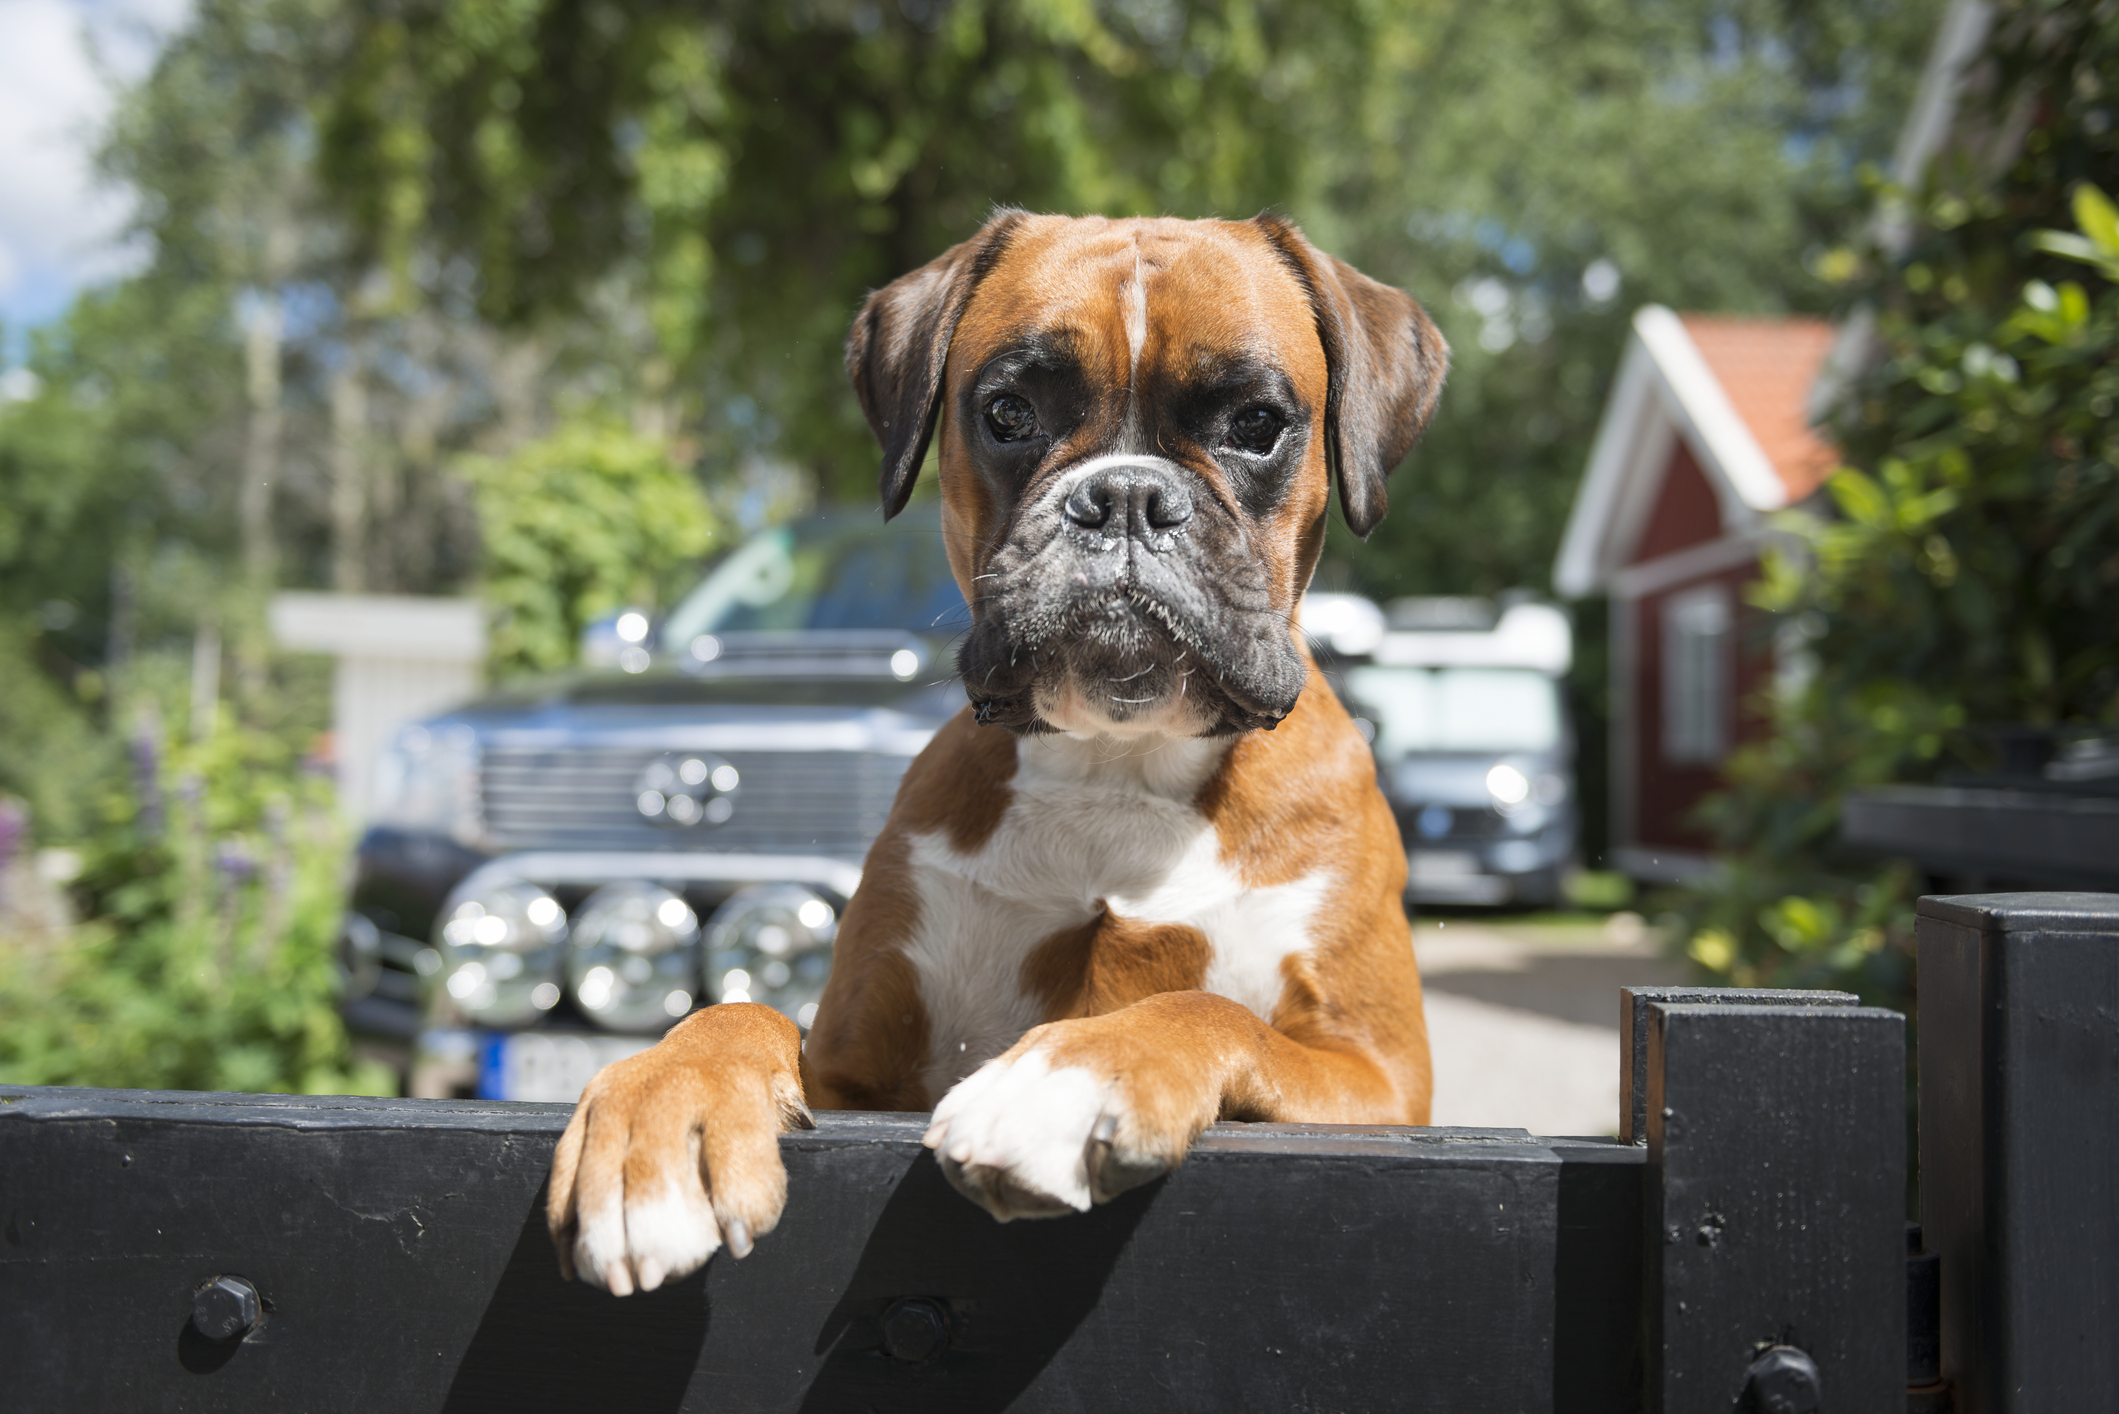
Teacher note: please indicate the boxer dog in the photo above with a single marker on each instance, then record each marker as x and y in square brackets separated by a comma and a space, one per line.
[1145, 880]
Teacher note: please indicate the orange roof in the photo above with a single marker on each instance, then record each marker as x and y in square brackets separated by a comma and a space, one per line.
[1766, 367]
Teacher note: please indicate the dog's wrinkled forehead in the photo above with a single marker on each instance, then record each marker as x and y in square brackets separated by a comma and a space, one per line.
[1124, 299]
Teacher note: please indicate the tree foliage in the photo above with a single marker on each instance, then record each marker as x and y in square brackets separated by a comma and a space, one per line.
[108, 502]
[590, 519]
[1969, 578]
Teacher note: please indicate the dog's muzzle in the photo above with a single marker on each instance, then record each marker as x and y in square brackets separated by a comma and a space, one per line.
[1126, 587]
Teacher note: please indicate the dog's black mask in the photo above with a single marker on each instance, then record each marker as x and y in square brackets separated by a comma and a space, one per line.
[1128, 584]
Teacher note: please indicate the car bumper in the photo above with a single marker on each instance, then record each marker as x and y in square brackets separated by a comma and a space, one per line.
[548, 1067]
[1490, 872]
[584, 869]
[384, 1006]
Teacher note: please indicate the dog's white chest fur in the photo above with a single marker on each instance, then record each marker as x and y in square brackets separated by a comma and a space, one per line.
[1091, 823]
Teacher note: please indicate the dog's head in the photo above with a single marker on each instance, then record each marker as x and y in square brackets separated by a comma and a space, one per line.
[1140, 422]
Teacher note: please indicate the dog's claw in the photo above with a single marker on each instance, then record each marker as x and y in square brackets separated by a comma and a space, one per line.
[616, 1279]
[737, 1232]
[651, 1274]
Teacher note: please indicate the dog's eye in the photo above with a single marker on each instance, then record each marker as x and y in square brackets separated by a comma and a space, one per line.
[1255, 430]
[1011, 418]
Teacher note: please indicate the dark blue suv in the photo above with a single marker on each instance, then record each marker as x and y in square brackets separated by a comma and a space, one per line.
[556, 872]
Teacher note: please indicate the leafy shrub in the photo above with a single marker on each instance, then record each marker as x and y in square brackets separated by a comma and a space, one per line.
[48, 743]
[205, 954]
[1972, 581]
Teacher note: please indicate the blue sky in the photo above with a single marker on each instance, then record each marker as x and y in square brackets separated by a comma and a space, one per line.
[60, 61]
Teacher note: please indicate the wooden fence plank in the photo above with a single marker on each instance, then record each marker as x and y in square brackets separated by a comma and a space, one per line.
[1634, 1005]
[399, 1249]
[2019, 1145]
[1775, 1201]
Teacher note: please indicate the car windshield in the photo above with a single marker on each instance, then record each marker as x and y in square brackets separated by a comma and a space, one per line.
[834, 572]
[1458, 709]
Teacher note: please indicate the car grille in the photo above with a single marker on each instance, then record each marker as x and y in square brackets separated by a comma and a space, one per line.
[791, 802]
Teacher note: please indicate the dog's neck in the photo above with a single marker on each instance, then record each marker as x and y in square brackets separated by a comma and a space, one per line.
[1174, 767]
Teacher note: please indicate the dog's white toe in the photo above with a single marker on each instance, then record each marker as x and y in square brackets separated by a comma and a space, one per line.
[599, 1249]
[671, 1235]
[645, 1243]
[1023, 1138]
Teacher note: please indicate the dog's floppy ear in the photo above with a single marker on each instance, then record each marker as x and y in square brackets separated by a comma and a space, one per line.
[900, 344]
[1385, 360]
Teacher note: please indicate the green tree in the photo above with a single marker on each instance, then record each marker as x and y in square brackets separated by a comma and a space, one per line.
[1543, 171]
[577, 524]
[105, 483]
[1969, 579]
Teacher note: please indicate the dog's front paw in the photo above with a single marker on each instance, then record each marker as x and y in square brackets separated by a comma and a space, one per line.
[675, 1151]
[1036, 1133]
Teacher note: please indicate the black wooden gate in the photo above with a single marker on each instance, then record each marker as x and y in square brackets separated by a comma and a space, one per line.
[183, 1251]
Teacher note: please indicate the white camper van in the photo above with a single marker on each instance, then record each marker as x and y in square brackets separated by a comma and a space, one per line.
[1466, 705]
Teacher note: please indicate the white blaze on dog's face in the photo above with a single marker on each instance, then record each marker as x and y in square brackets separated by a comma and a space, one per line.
[1140, 422]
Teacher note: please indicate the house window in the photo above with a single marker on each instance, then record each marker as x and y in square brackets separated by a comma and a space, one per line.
[1697, 669]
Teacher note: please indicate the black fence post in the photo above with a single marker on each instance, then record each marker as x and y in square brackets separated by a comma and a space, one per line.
[1634, 1004]
[1775, 1209]
[2019, 1145]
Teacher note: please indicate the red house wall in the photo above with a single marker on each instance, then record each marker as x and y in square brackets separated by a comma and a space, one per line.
[1686, 511]
[1664, 794]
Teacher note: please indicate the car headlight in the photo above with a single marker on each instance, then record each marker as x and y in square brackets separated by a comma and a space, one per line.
[633, 965]
[500, 950]
[427, 780]
[771, 943]
[1507, 785]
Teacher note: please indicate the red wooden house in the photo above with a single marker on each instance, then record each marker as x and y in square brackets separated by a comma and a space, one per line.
[1706, 434]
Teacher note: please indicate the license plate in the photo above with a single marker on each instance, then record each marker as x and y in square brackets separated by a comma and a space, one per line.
[1440, 866]
[548, 1067]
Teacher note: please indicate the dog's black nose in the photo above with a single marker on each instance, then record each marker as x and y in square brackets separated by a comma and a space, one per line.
[1145, 498]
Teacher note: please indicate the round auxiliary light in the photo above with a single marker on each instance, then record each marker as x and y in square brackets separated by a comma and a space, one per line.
[771, 943]
[633, 965]
[1507, 785]
[500, 949]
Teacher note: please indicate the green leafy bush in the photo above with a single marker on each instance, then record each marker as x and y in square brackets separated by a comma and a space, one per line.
[205, 954]
[1970, 582]
[48, 743]
[586, 520]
